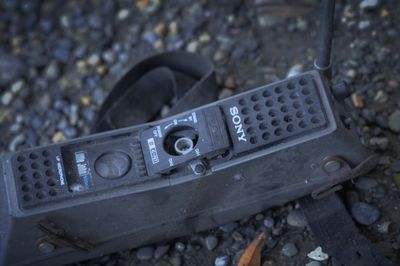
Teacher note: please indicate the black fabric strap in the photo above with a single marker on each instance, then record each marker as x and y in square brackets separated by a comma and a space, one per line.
[186, 78]
[189, 80]
[338, 235]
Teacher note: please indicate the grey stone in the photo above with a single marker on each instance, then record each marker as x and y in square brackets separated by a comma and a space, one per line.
[318, 255]
[394, 121]
[289, 250]
[180, 246]
[381, 96]
[364, 213]
[73, 114]
[383, 227]
[52, 70]
[237, 236]
[222, 261]
[123, 14]
[211, 242]
[161, 251]
[109, 56]
[369, 4]
[17, 86]
[259, 217]
[269, 222]
[225, 93]
[16, 142]
[362, 25]
[93, 60]
[380, 142]
[296, 218]
[227, 228]
[294, 70]
[70, 132]
[145, 253]
[268, 20]
[6, 98]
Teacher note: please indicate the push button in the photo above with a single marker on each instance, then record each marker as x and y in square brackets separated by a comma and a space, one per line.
[112, 165]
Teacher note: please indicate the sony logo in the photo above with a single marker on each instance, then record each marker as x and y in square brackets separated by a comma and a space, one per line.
[237, 121]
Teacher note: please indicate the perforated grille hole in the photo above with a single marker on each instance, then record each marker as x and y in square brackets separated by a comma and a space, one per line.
[36, 180]
[277, 112]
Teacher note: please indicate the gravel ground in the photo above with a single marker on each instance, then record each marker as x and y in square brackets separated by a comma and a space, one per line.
[59, 59]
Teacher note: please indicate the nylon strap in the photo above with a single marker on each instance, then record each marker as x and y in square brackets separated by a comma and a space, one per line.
[186, 78]
[188, 81]
[337, 233]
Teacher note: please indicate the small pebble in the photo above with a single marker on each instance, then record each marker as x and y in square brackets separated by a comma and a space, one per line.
[289, 250]
[269, 222]
[16, 142]
[381, 97]
[192, 47]
[58, 137]
[94, 60]
[123, 14]
[364, 213]
[364, 24]
[222, 261]
[259, 217]
[180, 246]
[52, 70]
[225, 93]
[369, 4]
[204, 38]
[381, 143]
[237, 236]
[296, 218]
[227, 228]
[17, 86]
[383, 227]
[294, 70]
[161, 251]
[211, 242]
[357, 101]
[6, 98]
[318, 255]
[145, 253]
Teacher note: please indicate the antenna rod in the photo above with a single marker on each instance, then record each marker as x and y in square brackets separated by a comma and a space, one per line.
[323, 60]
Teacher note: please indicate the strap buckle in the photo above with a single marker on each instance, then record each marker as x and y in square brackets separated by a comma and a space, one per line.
[338, 171]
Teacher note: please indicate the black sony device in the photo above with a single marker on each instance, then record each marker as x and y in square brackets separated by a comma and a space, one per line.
[139, 182]
[192, 171]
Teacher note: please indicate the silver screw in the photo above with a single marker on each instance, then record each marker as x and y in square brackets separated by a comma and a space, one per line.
[332, 166]
[46, 247]
[198, 168]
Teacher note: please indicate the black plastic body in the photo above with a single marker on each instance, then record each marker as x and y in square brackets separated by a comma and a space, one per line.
[149, 204]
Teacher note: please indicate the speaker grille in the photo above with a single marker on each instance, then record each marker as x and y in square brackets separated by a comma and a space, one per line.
[36, 179]
[274, 113]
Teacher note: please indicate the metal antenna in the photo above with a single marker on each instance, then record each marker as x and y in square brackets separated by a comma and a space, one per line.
[323, 61]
